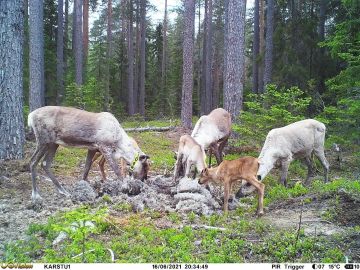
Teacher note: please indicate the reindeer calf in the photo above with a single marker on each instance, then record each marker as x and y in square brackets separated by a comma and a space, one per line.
[228, 172]
[190, 154]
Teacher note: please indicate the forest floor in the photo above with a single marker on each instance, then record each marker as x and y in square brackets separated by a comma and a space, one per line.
[329, 213]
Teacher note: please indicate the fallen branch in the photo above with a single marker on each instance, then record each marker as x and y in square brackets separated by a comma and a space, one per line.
[207, 227]
[144, 129]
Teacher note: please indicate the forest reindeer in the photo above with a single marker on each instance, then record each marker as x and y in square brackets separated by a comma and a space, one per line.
[140, 169]
[231, 171]
[98, 132]
[190, 154]
[212, 132]
[295, 141]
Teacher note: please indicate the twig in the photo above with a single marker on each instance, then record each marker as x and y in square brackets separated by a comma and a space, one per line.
[208, 227]
[144, 129]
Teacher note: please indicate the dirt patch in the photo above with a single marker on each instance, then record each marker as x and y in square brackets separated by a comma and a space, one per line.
[286, 215]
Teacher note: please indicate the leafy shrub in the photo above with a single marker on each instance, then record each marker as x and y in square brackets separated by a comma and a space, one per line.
[89, 96]
[277, 107]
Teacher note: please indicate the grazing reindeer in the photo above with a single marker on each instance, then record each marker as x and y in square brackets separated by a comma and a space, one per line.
[295, 141]
[140, 170]
[190, 154]
[212, 132]
[228, 172]
[98, 132]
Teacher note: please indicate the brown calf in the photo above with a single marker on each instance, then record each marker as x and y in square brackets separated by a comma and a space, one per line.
[140, 170]
[228, 172]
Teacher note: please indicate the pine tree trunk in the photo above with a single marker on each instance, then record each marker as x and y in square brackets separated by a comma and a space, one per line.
[188, 50]
[261, 46]
[85, 30]
[78, 50]
[164, 55]
[256, 40]
[234, 56]
[60, 53]
[321, 32]
[142, 58]
[36, 66]
[11, 79]
[137, 57]
[66, 35]
[108, 55]
[269, 42]
[207, 59]
[130, 56]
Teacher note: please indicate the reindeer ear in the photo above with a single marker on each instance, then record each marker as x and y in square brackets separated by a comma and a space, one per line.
[205, 171]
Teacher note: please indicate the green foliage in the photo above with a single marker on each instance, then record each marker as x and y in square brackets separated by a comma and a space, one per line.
[280, 192]
[286, 247]
[275, 108]
[343, 121]
[89, 96]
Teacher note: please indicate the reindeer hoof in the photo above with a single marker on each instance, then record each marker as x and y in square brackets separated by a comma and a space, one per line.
[63, 191]
[260, 213]
[36, 198]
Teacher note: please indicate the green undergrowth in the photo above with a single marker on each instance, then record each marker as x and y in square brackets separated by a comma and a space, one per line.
[134, 238]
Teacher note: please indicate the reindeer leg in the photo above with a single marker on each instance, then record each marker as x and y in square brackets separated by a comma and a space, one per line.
[216, 152]
[48, 161]
[221, 148]
[226, 196]
[321, 156]
[92, 155]
[310, 170]
[123, 167]
[261, 189]
[38, 154]
[107, 153]
[102, 168]
[284, 170]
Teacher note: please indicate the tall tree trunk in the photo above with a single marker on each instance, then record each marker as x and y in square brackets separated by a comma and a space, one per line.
[164, 57]
[142, 57]
[207, 58]
[321, 31]
[261, 45]
[85, 31]
[199, 88]
[130, 56]
[60, 53]
[269, 42]
[11, 79]
[256, 40]
[137, 57]
[66, 35]
[78, 50]
[37, 84]
[234, 56]
[188, 50]
[108, 55]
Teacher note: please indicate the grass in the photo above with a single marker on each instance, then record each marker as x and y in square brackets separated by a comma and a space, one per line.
[136, 239]
[158, 147]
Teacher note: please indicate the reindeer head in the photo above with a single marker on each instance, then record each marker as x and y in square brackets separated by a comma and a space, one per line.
[204, 176]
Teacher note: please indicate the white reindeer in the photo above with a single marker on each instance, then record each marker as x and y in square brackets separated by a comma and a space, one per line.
[212, 132]
[55, 125]
[294, 141]
[190, 154]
